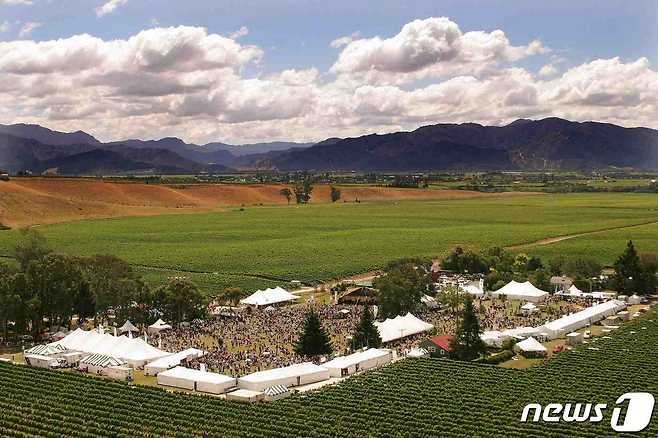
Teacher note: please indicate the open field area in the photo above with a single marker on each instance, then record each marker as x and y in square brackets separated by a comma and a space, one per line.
[261, 245]
[32, 201]
[413, 397]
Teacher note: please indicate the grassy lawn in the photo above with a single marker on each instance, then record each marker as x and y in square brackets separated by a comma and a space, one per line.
[264, 246]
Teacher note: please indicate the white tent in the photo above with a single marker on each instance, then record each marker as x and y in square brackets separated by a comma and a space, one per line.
[196, 380]
[528, 308]
[128, 327]
[362, 360]
[569, 323]
[135, 352]
[418, 352]
[158, 326]
[494, 338]
[634, 299]
[475, 290]
[168, 362]
[46, 350]
[293, 375]
[97, 363]
[269, 296]
[521, 291]
[401, 327]
[530, 345]
[521, 332]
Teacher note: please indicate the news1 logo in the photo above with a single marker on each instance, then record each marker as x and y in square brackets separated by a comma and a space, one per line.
[632, 412]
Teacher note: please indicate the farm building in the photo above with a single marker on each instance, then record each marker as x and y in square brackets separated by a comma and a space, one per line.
[172, 361]
[521, 291]
[196, 380]
[561, 283]
[269, 297]
[401, 327]
[360, 361]
[437, 346]
[531, 348]
[293, 375]
[569, 323]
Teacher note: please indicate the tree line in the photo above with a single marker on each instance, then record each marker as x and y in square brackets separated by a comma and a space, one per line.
[44, 289]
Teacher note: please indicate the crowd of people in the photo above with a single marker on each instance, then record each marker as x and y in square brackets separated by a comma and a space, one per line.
[257, 339]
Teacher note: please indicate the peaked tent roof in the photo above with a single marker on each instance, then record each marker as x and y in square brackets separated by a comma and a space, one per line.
[159, 325]
[516, 289]
[46, 349]
[528, 306]
[269, 296]
[531, 345]
[401, 327]
[128, 327]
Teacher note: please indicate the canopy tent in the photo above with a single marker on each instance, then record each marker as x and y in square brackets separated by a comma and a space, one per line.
[168, 362]
[268, 297]
[401, 327]
[531, 345]
[293, 375]
[158, 326]
[529, 308]
[362, 360]
[135, 352]
[569, 323]
[46, 350]
[473, 289]
[128, 327]
[418, 352]
[573, 290]
[196, 380]
[521, 291]
[494, 338]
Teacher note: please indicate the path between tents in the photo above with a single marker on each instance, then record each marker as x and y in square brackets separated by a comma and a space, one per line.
[556, 239]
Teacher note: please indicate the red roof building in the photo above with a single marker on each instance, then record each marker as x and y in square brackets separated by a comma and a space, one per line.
[437, 346]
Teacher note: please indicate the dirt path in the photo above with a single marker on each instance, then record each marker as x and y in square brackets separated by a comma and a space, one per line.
[556, 239]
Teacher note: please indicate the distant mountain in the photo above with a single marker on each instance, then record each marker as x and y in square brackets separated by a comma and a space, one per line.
[259, 148]
[548, 144]
[48, 136]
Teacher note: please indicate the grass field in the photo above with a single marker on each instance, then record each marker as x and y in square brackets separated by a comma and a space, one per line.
[262, 246]
[413, 397]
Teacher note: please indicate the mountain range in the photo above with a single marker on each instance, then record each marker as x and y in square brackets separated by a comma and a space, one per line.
[547, 144]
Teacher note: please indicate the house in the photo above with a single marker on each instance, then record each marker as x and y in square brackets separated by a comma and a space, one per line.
[561, 284]
[437, 346]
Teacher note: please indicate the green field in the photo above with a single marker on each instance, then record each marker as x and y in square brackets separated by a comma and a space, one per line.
[261, 246]
[413, 397]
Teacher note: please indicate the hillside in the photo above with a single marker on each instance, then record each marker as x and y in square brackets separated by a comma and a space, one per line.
[548, 144]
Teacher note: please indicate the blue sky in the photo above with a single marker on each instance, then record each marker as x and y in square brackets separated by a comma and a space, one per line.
[296, 34]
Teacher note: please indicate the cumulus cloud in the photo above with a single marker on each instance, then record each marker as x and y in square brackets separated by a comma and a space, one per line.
[429, 48]
[28, 28]
[187, 82]
[547, 70]
[344, 40]
[109, 7]
[5, 26]
[243, 31]
[16, 2]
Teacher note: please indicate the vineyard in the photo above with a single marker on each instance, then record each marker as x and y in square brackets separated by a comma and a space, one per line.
[261, 246]
[414, 397]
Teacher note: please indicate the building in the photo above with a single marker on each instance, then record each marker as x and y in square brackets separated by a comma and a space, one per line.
[363, 360]
[561, 283]
[437, 346]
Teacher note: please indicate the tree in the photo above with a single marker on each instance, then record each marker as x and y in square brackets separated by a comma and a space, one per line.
[314, 340]
[400, 290]
[467, 345]
[366, 333]
[233, 295]
[303, 188]
[335, 194]
[180, 300]
[450, 296]
[31, 247]
[465, 261]
[286, 193]
[631, 276]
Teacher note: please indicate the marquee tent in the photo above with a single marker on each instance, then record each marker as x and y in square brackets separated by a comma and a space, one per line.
[268, 297]
[95, 363]
[521, 291]
[531, 345]
[168, 362]
[128, 327]
[293, 375]
[494, 338]
[46, 350]
[528, 308]
[401, 327]
[158, 326]
[569, 323]
[362, 360]
[196, 380]
[136, 352]
[475, 290]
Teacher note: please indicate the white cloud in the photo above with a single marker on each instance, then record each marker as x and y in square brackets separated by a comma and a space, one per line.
[187, 82]
[548, 70]
[28, 28]
[109, 7]
[16, 2]
[344, 40]
[243, 31]
[5, 26]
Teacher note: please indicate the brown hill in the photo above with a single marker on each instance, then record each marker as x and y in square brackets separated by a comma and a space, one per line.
[31, 201]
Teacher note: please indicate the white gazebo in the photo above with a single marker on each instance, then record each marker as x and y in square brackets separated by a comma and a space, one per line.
[158, 326]
[128, 327]
[529, 309]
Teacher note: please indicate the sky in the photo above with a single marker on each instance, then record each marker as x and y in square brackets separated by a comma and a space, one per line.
[247, 71]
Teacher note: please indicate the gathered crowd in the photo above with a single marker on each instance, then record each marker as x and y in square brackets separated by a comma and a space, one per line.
[252, 340]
